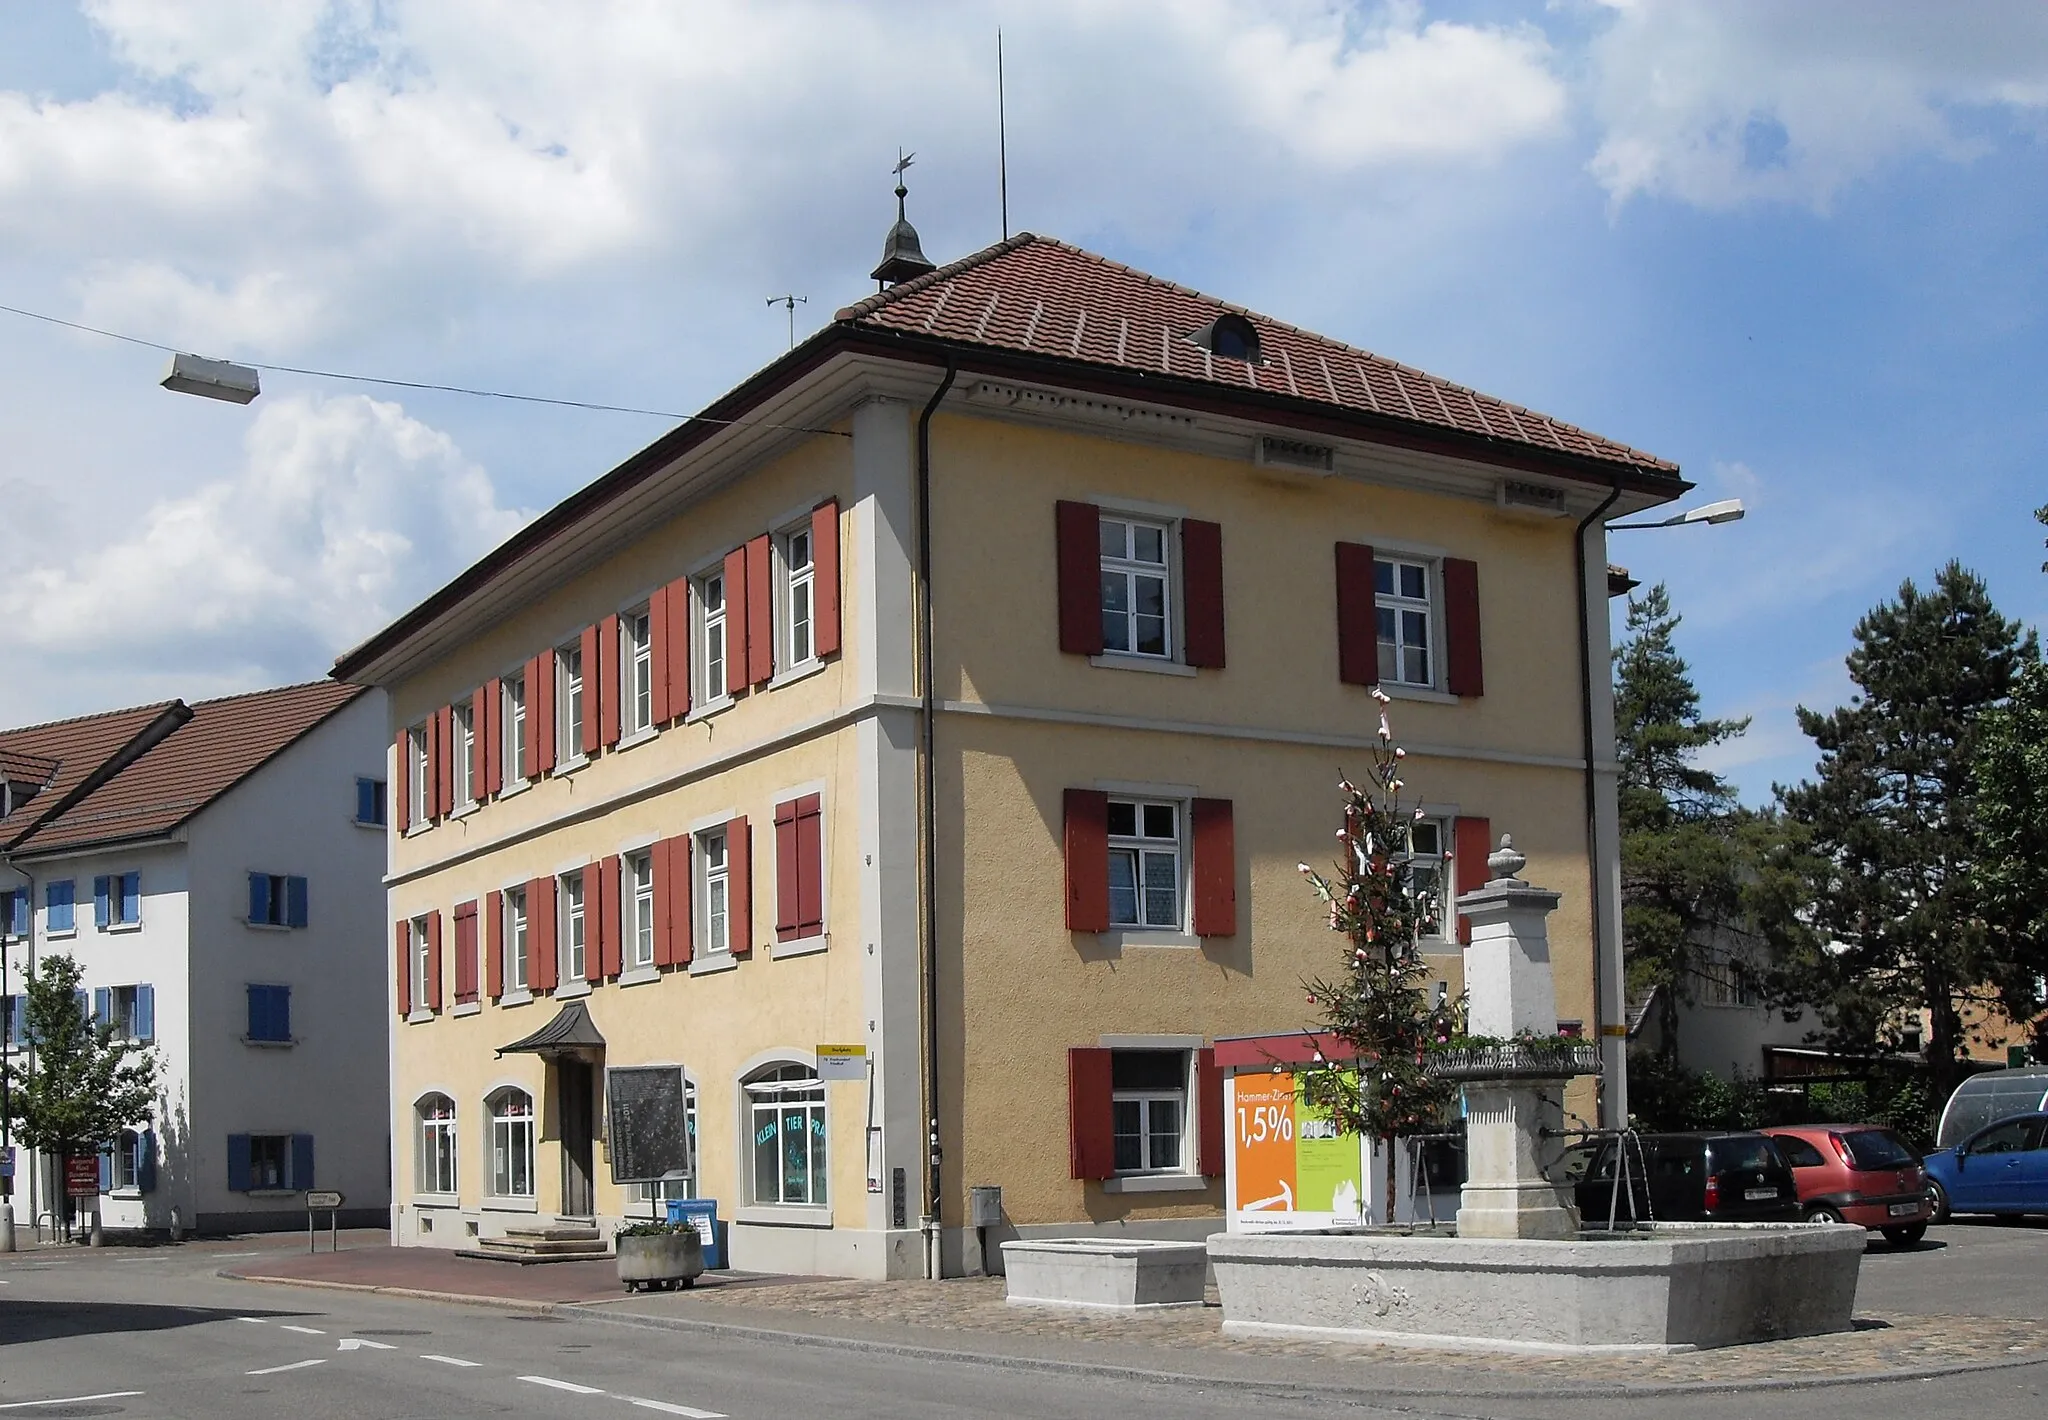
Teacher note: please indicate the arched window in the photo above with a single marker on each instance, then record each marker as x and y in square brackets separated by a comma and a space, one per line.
[786, 1116]
[511, 1115]
[434, 1159]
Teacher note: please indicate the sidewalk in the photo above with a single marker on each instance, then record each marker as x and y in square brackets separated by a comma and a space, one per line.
[968, 1320]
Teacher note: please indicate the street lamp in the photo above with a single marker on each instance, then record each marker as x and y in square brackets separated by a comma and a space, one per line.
[211, 379]
[1728, 510]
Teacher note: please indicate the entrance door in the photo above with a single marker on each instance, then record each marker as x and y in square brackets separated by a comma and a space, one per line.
[573, 1078]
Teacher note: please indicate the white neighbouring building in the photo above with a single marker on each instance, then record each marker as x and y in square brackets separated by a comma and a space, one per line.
[217, 871]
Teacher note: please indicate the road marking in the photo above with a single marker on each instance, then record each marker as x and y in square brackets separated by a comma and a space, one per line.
[357, 1343]
[294, 1366]
[668, 1409]
[302, 1330]
[562, 1385]
[451, 1360]
[237, 1254]
[70, 1399]
[259, 1320]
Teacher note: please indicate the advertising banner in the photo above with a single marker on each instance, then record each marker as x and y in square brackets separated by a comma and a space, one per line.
[1290, 1168]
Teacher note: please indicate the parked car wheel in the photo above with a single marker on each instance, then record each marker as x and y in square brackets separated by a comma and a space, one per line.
[1823, 1213]
[1905, 1236]
[1937, 1197]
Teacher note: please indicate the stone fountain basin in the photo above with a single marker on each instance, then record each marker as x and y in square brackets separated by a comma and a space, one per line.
[1658, 1289]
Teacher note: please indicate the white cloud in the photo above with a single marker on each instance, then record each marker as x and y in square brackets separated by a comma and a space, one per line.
[345, 512]
[1758, 100]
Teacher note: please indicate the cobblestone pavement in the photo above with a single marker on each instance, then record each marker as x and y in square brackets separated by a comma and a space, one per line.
[975, 1305]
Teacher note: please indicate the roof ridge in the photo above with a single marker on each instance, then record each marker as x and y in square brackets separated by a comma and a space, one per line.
[322, 682]
[868, 305]
[156, 706]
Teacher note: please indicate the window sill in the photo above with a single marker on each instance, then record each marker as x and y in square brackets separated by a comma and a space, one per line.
[274, 1044]
[571, 989]
[712, 962]
[639, 975]
[124, 1193]
[800, 947]
[796, 673]
[519, 997]
[62, 934]
[466, 1008]
[265, 926]
[417, 827]
[122, 927]
[517, 786]
[373, 827]
[272, 1192]
[564, 767]
[511, 1205]
[462, 811]
[1157, 665]
[638, 737]
[1423, 693]
[786, 1215]
[1156, 1183]
[709, 708]
[420, 1015]
[436, 1200]
[1146, 937]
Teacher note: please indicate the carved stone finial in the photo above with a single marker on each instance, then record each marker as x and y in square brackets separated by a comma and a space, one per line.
[1504, 862]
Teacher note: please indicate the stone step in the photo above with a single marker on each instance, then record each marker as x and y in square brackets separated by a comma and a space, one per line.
[551, 1247]
[552, 1232]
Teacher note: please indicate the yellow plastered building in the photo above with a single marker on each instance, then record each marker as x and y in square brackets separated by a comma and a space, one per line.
[962, 692]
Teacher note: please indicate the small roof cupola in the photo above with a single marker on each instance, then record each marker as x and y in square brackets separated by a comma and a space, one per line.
[902, 256]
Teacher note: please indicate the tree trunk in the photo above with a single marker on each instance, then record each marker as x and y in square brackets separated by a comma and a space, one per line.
[1391, 1178]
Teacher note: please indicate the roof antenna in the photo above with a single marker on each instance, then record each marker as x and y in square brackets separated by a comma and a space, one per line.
[789, 303]
[902, 255]
[1002, 137]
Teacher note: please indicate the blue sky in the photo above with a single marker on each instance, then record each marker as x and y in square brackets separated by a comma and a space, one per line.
[1795, 248]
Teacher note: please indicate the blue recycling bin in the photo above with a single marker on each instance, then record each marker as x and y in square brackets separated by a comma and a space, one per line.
[702, 1214]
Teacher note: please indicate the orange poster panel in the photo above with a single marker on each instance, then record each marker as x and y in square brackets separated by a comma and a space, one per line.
[1262, 1137]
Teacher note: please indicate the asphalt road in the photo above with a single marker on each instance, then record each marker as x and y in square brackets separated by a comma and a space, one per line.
[153, 1333]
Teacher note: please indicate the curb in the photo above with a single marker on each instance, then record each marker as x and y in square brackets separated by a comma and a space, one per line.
[1591, 1390]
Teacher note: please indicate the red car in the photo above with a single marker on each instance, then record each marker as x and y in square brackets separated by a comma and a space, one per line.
[1858, 1173]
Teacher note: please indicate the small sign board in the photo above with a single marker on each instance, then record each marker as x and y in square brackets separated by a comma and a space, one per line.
[7, 1162]
[323, 1198]
[82, 1175]
[842, 1062]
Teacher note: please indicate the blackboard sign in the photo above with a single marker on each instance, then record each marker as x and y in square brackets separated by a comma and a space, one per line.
[650, 1122]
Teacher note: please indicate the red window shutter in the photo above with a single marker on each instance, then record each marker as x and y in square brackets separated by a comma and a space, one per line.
[610, 946]
[679, 649]
[465, 953]
[681, 924]
[1087, 834]
[657, 654]
[739, 886]
[493, 721]
[479, 744]
[401, 943]
[663, 891]
[433, 1001]
[760, 613]
[787, 891]
[401, 776]
[1201, 578]
[1463, 664]
[1091, 1127]
[1358, 621]
[1215, 875]
[494, 943]
[1080, 575]
[542, 959]
[444, 773]
[810, 864]
[739, 632]
[825, 578]
[1471, 843]
[591, 729]
[1210, 1139]
[612, 688]
[540, 714]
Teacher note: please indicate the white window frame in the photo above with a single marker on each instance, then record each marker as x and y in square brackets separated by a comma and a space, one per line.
[1147, 1100]
[770, 1093]
[1140, 850]
[1393, 655]
[636, 873]
[712, 881]
[509, 1134]
[573, 928]
[648, 1196]
[121, 1005]
[1127, 567]
[518, 964]
[421, 958]
[569, 702]
[796, 597]
[126, 1174]
[1436, 863]
[512, 722]
[435, 1158]
[711, 625]
[416, 775]
[462, 753]
[636, 671]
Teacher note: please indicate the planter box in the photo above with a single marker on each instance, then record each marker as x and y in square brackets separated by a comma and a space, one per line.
[1122, 1275]
[663, 1261]
[1672, 1287]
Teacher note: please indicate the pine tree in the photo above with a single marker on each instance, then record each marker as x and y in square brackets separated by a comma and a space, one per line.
[1896, 902]
[86, 1084]
[1379, 1007]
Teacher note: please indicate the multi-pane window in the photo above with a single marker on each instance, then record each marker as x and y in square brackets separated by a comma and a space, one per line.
[799, 600]
[568, 703]
[515, 939]
[572, 928]
[128, 1153]
[639, 877]
[434, 1164]
[511, 1143]
[270, 1161]
[1148, 1109]
[512, 716]
[131, 1011]
[14, 914]
[636, 669]
[786, 1118]
[1426, 877]
[1136, 602]
[416, 774]
[1144, 864]
[683, 1184]
[462, 757]
[1401, 595]
[116, 899]
[711, 637]
[712, 933]
[370, 806]
[277, 900]
[422, 962]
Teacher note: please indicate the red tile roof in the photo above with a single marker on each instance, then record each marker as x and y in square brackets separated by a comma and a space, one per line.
[1036, 296]
[203, 757]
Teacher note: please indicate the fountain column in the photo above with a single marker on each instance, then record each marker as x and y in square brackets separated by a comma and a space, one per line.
[1513, 1096]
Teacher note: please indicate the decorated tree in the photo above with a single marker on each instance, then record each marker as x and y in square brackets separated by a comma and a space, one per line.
[1379, 1006]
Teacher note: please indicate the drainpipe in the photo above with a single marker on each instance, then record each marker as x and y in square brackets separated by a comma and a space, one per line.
[1601, 947]
[928, 827]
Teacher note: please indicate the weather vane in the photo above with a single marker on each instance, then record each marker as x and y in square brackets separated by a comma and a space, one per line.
[789, 303]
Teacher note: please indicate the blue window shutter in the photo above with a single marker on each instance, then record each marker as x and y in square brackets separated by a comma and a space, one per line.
[256, 1013]
[58, 899]
[302, 1161]
[295, 902]
[259, 897]
[281, 1011]
[366, 801]
[238, 1163]
[131, 897]
[84, 1005]
[106, 1170]
[145, 1161]
[145, 1012]
[102, 1005]
[101, 887]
